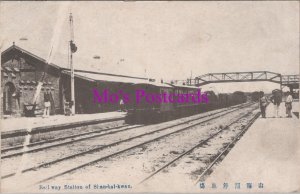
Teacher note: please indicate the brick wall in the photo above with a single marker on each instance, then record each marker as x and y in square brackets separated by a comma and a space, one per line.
[25, 83]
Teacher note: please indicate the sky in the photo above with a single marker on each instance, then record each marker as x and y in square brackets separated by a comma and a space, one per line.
[169, 40]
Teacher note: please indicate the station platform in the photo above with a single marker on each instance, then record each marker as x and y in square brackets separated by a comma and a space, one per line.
[265, 159]
[22, 125]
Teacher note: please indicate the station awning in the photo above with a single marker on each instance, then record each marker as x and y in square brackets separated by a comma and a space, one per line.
[103, 77]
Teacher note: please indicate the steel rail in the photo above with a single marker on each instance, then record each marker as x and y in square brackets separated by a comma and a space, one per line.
[202, 142]
[85, 138]
[228, 147]
[130, 148]
[58, 139]
[69, 142]
[135, 137]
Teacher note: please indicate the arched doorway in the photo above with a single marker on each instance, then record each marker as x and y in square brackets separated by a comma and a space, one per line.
[8, 100]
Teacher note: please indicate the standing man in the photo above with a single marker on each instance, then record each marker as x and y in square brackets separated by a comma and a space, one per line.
[47, 104]
[288, 105]
[263, 101]
[276, 100]
[122, 105]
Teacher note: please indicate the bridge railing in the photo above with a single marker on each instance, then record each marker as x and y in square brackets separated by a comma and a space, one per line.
[237, 77]
[290, 79]
[242, 77]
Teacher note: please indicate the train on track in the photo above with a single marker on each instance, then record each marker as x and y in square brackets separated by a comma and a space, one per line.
[161, 101]
[276, 94]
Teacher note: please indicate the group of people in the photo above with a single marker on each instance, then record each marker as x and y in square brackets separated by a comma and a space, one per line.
[276, 100]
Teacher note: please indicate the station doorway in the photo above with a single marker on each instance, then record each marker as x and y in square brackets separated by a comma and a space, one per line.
[8, 98]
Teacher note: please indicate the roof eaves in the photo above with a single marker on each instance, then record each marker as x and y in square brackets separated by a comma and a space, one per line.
[79, 76]
[30, 54]
[108, 74]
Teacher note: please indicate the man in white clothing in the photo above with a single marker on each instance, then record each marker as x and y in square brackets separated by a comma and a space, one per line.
[288, 105]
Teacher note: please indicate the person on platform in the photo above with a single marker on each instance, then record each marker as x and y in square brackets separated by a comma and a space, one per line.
[288, 105]
[47, 104]
[276, 100]
[263, 101]
[122, 105]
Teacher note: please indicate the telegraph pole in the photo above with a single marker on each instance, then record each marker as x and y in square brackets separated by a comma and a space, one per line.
[73, 49]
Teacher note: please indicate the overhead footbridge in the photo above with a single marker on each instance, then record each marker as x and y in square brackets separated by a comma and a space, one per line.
[292, 81]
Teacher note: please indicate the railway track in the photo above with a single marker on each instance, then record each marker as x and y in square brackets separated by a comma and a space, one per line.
[204, 142]
[131, 148]
[82, 137]
[226, 149]
[47, 164]
[72, 140]
[101, 127]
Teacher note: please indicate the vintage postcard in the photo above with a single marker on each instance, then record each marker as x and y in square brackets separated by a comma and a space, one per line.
[149, 96]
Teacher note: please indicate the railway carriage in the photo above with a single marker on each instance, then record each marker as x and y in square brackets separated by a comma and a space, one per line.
[213, 101]
[145, 106]
[148, 101]
[255, 96]
[238, 97]
[224, 100]
[190, 106]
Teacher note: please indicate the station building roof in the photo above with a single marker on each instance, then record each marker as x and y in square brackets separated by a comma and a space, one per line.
[96, 76]
[14, 51]
[158, 84]
[184, 86]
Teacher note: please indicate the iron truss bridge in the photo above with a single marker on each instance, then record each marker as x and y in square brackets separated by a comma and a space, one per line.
[284, 80]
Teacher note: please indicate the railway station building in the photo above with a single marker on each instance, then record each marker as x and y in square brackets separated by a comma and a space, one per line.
[22, 70]
[20, 73]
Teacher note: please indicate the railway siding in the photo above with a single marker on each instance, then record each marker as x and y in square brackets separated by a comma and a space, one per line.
[268, 154]
[14, 130]
[122, 148]
[121, 163]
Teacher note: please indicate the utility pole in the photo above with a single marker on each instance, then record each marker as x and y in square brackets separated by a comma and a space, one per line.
[73, 49]
[190, 81]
